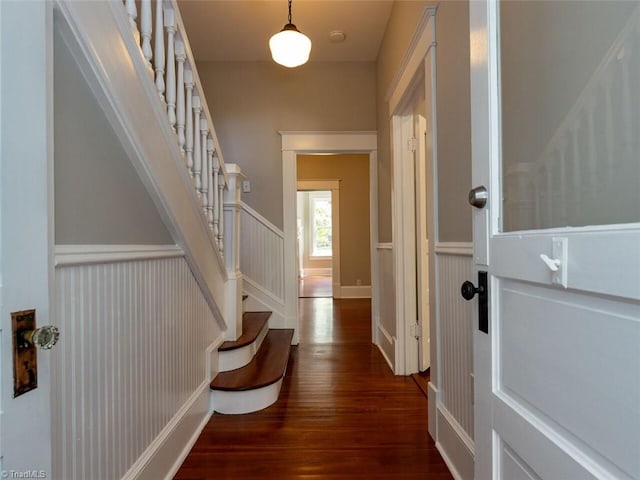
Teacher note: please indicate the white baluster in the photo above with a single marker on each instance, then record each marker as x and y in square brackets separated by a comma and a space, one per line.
[159, 50]
[221, 214]
[170, 26]
[562, 189]
[210, 183]
[145, 27]
[608, 123]
[591, 135]
[627, 101]
[180, 56]
[204, 131]
[197, 151]
[576, 171]
[216, 198]
[132, 11]
[188, 81]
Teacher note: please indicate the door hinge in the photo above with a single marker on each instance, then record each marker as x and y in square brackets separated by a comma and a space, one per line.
[412, 144]
[415, 331]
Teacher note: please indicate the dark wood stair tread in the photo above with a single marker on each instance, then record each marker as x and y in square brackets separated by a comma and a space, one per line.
[252, 325]
[266, 368]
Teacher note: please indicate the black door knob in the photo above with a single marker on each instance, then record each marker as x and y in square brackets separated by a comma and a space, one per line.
[468, 290]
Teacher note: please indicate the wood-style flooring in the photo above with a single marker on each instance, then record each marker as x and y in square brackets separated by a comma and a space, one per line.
[315, 287]
[342, 414]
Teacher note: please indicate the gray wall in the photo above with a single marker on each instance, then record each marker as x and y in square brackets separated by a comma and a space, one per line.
[453, 105]
[99, 198]
[251, 101]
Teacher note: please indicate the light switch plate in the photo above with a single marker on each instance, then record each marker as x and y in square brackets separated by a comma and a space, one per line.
[246, 186]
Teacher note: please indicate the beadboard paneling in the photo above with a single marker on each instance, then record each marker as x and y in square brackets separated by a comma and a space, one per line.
[456, 338]
[387, 304]
[132, 352]
[262, 253]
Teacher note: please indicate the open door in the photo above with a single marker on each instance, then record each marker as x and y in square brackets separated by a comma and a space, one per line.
[555, 122]
[26, 223]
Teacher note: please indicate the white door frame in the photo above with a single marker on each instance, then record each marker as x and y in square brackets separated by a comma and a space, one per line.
[26, 222]
[417, 67]
[334, 187]
[294, 144]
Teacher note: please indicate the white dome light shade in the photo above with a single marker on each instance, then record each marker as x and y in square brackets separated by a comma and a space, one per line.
[289, 47]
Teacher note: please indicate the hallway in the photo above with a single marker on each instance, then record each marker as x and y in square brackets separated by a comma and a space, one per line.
[341, 413]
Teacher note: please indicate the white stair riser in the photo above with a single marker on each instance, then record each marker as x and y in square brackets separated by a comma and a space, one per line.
[246, 401]
[239, 357]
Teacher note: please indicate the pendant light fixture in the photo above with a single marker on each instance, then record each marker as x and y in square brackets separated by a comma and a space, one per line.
[290, 47]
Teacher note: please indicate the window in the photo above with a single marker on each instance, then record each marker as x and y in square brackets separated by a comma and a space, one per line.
[320, 223]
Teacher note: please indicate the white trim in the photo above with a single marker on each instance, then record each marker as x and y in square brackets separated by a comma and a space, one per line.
[66, 255]
[384, 246]
[422, 40]
[321, 272]
[304, 185]
[329, 142]
[239, 357]
[455, 248]
[418, 67]
[353, 291]
[294, 143]
[153, 463]
[454, 445]
[262, 220]
[373, 241]
[390, 340]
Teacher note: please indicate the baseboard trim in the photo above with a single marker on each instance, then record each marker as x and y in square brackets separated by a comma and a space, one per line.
[160, 460]
[67, 255]
[454, 445]
[391, 342]
[352, 291]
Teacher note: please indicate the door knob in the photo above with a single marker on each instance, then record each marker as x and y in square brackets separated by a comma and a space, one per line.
[468, 290]
[478, 196]
[43, 337]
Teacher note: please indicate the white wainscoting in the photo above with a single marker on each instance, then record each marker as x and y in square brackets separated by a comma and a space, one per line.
[262, 253]
[386, 323]
[454, 264]
[131, 371]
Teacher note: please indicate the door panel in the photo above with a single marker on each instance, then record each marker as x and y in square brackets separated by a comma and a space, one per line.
[558, 339]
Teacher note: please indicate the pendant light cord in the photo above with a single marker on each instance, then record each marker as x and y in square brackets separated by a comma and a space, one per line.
[289, 11]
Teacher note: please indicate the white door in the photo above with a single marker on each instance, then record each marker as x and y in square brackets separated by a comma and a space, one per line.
[556, 142]
[26, 238]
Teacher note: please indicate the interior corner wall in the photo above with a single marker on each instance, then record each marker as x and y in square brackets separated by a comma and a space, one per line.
[353, 172]
[250, 102]
[453, 112]
[99, 198]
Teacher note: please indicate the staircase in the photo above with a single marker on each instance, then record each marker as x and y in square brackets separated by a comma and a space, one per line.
[252, 367]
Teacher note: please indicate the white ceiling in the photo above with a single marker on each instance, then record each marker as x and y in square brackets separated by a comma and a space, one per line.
[239, 30]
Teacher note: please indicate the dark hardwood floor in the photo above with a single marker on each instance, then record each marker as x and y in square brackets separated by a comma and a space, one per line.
[342, 414]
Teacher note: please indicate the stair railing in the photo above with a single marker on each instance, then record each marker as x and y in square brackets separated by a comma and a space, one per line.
[173, 70]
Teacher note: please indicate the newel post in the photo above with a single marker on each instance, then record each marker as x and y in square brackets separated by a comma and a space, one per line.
[232, 211]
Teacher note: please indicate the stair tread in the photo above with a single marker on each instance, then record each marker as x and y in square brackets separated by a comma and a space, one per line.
[252, 325]
[266, 368]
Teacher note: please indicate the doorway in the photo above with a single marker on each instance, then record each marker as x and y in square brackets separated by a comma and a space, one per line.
[318, 242]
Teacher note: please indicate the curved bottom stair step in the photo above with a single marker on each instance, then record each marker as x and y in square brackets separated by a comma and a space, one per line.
[256, 385]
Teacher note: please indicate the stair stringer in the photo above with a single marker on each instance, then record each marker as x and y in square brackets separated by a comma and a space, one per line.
[97, 34]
